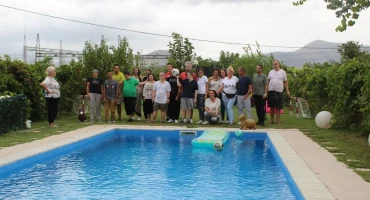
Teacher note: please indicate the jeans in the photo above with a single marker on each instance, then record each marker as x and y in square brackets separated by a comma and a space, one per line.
[209, 118]
[200, 104]
[95, 101]
[244, 103]
[229, 103]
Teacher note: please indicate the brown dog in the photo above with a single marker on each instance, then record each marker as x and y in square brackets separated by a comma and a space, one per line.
[247, 123]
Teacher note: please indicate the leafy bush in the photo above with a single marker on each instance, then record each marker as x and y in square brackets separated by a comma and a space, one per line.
[13, 113]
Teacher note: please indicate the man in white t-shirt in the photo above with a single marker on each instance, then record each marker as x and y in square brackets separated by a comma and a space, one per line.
[202, 91]
[277, 80]
[161, 97]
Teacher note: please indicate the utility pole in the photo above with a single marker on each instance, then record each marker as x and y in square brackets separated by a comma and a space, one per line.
[60, 54]
[119, 40]
[38, 57]
[25, 50]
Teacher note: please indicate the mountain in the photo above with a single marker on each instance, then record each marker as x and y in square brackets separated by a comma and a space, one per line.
[313, 52]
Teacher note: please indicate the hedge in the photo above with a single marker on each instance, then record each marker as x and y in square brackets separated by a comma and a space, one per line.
[13, 113]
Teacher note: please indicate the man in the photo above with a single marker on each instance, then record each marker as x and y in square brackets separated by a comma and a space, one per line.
[173, 111]
[161, 97]
[244, 89]
[169, 70]
[259, 86]
[119, 77]
[129, 95]
[277, 80]
[110, 97]
[188, 68]
[183, 76]
[188, 97]
[148, 72]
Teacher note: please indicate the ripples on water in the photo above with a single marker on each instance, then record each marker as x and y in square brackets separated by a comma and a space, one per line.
[129, 167]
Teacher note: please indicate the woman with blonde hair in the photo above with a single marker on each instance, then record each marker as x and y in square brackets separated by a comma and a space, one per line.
[52, 94]
[228, 89]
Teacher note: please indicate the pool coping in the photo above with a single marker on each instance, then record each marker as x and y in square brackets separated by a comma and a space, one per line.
[307, 182]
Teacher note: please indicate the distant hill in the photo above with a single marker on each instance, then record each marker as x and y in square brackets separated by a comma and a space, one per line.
[295, 58]
[308, 54]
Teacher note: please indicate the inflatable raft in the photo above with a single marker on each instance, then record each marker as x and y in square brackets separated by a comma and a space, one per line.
[211, 138]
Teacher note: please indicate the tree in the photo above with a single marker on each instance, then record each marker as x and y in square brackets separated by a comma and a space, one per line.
[226, 58]
[347, 10]
[349, 50]
[123, 55]
[181, 50]
[209, 62]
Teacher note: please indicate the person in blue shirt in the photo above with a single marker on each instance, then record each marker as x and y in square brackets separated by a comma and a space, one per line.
[244, 89]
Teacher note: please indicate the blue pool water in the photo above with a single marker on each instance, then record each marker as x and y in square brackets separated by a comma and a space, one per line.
[150, 165]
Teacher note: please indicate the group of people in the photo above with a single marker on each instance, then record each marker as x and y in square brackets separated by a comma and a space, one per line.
[174, 92]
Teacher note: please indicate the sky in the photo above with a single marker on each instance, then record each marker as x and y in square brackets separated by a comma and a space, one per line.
[268, 22]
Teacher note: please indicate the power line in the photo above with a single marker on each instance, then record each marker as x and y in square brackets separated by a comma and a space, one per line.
[157, 34]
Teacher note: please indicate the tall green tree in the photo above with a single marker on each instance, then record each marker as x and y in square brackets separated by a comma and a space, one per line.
[227, 58]
[123, 55]
[348, 10]
[349, 50]
[181, 50]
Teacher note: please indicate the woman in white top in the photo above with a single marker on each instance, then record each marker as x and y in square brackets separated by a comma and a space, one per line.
[228, 89]
[202, 91]
[52, 94]
[214, 81]
[212, 108]
[147, 96]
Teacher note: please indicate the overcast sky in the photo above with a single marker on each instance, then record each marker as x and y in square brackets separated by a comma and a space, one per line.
[270, 22]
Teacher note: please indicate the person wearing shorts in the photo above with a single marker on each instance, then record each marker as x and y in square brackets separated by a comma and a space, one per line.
[119, 77]
[161, 97]
[277, 80]
[188, 96]
[129, 95]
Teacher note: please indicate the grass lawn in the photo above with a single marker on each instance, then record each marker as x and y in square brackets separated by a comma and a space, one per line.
[354, 146]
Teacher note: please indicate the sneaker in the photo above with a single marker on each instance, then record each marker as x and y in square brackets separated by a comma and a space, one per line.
[91, 120]
[99, 120]
[238, 123]
[205, 123]
[190, 121]
[182, 122]
[176, 121]
[113, 121]
[200, 121]
[139, 119]
[170, 121]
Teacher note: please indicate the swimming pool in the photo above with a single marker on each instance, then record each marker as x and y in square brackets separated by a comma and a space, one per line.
[147, 164]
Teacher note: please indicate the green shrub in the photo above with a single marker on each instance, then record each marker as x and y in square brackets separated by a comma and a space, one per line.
[13, 113]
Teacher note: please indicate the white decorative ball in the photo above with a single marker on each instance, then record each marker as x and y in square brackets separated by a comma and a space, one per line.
[323, 119]
[238, 133]
[175, 72]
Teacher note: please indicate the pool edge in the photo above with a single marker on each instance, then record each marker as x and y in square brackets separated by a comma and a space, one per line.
[307, 182]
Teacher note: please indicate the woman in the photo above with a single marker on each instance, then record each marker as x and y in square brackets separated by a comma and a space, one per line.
[202, 91]
[52, 94]
[214, 81]
[139, 91]
[94, 88]
[212, 108]
[147, 96]
[228, 89]
[222, 76]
